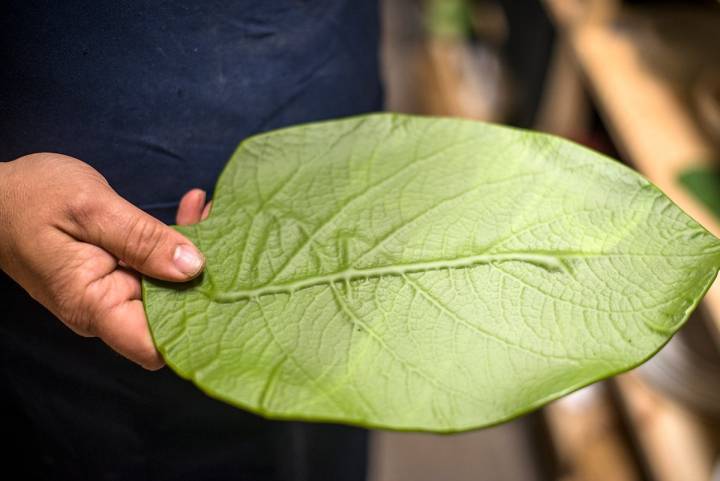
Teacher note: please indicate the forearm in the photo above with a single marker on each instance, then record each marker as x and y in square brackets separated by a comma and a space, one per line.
[5, 219]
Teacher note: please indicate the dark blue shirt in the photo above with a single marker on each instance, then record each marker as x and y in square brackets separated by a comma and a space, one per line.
[156, 95]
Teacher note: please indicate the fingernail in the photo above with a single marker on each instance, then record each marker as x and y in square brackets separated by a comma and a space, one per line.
[187, 259]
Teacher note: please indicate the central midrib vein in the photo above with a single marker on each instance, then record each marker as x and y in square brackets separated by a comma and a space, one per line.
[550, 262]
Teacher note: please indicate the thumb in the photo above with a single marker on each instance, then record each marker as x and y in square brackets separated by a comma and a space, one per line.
[139, 240]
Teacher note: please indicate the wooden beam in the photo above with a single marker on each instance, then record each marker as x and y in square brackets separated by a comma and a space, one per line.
[587, 438]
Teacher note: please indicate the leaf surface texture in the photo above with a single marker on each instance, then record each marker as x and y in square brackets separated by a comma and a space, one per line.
[425, 274]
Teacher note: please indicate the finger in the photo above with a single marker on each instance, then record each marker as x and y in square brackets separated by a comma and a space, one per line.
[115, 287]
[125, 329]
[128, 284]
[206, 211]
[137, 239]
[191, 207]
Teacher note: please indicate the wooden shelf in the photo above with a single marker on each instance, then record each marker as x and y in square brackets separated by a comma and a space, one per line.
[588, 439]
[647, 119]
[677, 444]
[657, 133]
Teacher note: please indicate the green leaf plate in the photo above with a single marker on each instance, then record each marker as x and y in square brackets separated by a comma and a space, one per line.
[432, 274]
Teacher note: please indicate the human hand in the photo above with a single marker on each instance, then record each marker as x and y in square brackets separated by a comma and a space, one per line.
[77, 247]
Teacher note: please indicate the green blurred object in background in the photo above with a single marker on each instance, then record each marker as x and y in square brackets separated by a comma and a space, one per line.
[449, 18]
[704, 184]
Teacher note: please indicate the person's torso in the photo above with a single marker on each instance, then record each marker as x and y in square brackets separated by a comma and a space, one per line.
[157, 94]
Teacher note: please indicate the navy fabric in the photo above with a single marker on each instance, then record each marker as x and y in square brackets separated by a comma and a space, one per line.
[156, 95]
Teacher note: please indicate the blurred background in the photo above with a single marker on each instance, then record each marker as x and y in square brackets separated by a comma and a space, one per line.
[637, 80]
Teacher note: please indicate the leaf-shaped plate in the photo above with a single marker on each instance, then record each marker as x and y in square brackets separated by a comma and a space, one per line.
[425, 274]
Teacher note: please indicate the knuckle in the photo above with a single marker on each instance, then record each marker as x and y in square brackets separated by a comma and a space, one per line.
[79, 320]
[88, 330]
[143, 239]
[81, 208]
[63, 295]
